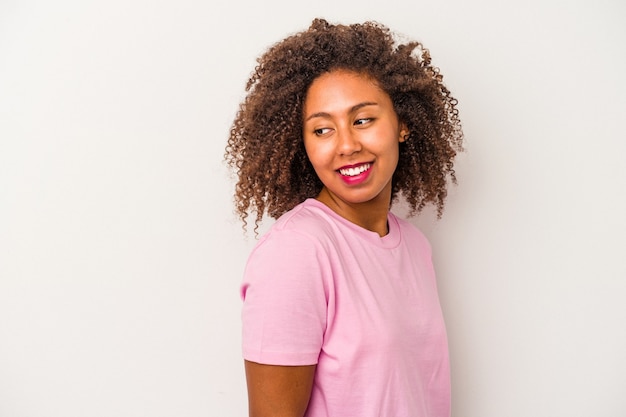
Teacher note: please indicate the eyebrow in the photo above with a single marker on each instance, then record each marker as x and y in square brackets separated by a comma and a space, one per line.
[353, 109]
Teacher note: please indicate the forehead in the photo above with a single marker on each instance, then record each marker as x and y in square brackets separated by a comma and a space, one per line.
[340, 89]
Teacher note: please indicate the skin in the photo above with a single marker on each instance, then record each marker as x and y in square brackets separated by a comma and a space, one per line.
[278, 391]
[348, 122]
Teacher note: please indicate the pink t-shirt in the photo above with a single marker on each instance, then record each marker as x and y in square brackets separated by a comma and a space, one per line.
[319, 289]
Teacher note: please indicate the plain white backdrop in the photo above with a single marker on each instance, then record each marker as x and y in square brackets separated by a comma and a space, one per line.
[120, 256]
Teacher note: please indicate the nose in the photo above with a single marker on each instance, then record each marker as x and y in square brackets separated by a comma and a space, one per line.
[347, 142]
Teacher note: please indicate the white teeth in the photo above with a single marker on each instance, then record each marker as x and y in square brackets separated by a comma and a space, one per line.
[351, 172]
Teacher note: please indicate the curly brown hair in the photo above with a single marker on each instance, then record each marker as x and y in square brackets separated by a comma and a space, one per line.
[265, 146]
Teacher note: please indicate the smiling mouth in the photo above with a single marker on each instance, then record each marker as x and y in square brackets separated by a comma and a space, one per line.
[353, 171]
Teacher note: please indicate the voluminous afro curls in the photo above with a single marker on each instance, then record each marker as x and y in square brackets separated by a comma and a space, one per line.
[265, 146]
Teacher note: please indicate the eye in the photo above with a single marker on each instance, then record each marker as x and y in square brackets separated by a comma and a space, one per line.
[363, 121]
[321, 131]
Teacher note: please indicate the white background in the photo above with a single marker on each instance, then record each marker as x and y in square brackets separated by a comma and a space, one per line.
[120, 256]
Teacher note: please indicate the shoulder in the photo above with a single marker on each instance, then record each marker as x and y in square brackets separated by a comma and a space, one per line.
[306, 224]
[297, 234]
[309, 218]
[411, 234]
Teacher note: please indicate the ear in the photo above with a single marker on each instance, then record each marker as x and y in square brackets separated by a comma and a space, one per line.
[404, 133]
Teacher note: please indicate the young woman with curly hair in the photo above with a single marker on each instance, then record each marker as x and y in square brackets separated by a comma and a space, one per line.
[341, 315]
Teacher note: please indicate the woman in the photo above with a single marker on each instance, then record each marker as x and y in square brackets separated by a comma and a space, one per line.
[341, 315]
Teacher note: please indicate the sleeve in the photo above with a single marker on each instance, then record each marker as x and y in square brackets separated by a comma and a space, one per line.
[284, 301]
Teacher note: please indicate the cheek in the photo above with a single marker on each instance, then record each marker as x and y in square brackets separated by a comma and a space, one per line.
[392, 151]
[316, 152]
[309, 151]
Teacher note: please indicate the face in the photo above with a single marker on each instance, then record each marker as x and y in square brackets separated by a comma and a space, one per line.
[351, 135]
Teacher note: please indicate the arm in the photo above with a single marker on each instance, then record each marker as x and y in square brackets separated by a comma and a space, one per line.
[278, 391]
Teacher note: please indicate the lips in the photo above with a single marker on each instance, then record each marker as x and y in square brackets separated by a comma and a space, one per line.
[354, 170]
[355, 174]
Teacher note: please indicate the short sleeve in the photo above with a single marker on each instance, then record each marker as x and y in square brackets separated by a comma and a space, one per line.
[284, 301]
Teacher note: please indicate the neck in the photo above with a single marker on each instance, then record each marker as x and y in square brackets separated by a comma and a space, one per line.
[370, 215]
